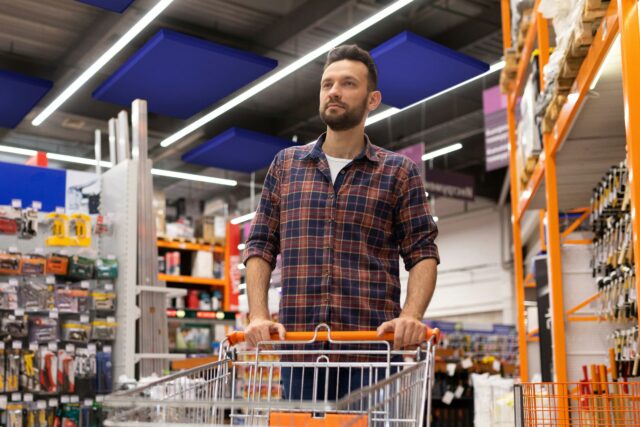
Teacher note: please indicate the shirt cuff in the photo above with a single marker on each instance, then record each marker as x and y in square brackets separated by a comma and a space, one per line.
[428, 251]
[255, 251]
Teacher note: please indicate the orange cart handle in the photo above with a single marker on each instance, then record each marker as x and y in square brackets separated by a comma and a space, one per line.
[321, 336]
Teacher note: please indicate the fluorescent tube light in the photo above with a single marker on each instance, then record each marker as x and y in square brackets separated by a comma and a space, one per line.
[442, 151]
[243, 218]
[105, 164]
[393, 111]
[102, 61]
[194, 177]
[289, 69]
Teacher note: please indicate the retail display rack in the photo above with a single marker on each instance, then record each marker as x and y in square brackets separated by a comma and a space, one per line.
[588, 127]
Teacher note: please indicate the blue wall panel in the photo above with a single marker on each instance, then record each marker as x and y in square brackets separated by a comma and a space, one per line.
[30, 183]
[18, 95]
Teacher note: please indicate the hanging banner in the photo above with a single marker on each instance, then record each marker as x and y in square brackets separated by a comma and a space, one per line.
[450, 184]
[415, 153]
[496, 130]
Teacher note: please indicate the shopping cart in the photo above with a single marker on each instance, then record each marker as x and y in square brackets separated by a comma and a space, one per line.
[243, 387]
[583, 404]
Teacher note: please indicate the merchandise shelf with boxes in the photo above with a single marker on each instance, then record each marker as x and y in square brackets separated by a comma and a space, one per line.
[586, 99]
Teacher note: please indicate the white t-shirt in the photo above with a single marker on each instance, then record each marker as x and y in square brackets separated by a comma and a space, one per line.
[336, 164]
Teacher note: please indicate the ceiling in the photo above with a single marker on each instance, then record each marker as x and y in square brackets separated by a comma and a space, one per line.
[58, 39]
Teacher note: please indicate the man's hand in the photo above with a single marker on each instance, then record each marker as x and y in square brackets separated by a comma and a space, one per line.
[261, 329]
[409, 332]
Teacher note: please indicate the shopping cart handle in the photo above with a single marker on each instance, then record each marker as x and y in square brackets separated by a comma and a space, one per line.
[238, 336]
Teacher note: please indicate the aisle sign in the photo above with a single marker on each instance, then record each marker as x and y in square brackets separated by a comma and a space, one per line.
[450, 184]
[415, 153]
[496, 130]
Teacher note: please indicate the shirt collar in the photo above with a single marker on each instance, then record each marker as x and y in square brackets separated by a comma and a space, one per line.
[369, 150]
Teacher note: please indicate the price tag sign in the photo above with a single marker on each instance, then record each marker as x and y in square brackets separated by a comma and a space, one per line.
[84, 318]
[100, 398]
[53, 403]
[85, 284]
[13, 282]
[458, 392]
[13, 249]
[38, 251]
[60, 210]
[70, 348]
[91, 348]
[53, 346]
[448, 398]
[108, 287]
[28, 397]
[36, 205]
[64, 399]
[111, 319]
[451, 369]
[53, 314]
[88, 402]
[16, 203]
[33, 346]
[496, 365]
[16, 397]
[3, 402]
[1, 345]
[467, 363]
[16, 345]
[41, 404]
[75, 399]
[19, 312]
[51, 280]
[107, 349]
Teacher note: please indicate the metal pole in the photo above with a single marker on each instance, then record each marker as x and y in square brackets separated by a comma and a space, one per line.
[98, 149]
[518, 263]
[124, 152]
[630, 44]
[112, 142]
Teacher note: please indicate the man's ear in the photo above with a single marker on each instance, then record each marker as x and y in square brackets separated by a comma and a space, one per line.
[375, 98]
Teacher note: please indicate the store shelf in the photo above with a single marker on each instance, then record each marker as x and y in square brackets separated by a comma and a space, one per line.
[587, 119]
[191, 280]
[186, 246]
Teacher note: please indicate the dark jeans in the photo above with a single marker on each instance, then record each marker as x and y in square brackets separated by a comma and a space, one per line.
[297, 385]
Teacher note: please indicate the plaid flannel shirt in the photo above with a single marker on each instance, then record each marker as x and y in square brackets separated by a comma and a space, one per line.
[341, 243]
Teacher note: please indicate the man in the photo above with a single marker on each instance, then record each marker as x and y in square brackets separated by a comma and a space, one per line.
[341, 212]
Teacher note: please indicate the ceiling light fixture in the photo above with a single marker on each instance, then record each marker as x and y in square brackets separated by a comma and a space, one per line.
[442, 151]
[289, 69]
[105, 164]
[102, 61]
[392, 111]
[243, 218]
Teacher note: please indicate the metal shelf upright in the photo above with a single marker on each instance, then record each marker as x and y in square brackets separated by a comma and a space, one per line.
[621, 19]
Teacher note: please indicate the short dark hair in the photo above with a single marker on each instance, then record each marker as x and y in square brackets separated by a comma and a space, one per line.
[353, 52]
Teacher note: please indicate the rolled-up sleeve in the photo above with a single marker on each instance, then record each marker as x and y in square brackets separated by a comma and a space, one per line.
[264, 237]
[415, 229]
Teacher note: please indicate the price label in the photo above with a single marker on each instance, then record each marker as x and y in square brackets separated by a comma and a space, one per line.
[1, 345]
[458, 392]
[36, 205]
[41, 404]
[496, 365]
[13, 282]
[16, 203]
[111, 319]
[108, 287]
[16, 397]
[28, 397]
[53, 403]
[85, 284]
[107, 349]
[3, 402]
[84, 319]
[53, 314]
[60, 210]
[451, 369]
[111, 257]
[16, 345]
[70, 348]
[19, 312]
[88, 402]
[100, 398]
[75, 399]
[448, 398]
[64, 399]
[467, 363]
[91, 348]
[13, 249]
[51, 280]
[53, 346]
[33, 346]
[38, 251]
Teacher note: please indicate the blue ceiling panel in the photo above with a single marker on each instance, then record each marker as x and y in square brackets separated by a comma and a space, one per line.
[180, 75]
[411, 68]
[18, 95]
[239, 150]
[117, 6]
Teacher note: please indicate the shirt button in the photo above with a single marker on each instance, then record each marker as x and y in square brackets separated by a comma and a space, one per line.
[342, 172]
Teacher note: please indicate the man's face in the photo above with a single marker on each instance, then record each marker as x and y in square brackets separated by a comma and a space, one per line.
[344, 95]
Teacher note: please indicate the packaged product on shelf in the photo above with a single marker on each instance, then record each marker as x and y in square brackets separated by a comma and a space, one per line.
[14, 415]
[104, 375]
[43, 329]
[104, 298]
[37, 414]
[72, 300]
[75, 331]
[104, 329]
[9, 295]
[9, 220]
[107, 268]
[71, 415]
[10, 263]
[58, 264]
[48, 369]
[29, 372]
[14, 326]
[66, 372]
[33, 264]
[29, 223]
[626, 352]
[12, 368]
[85, 372]
[3, 366]
[81, 268]
[34, 295]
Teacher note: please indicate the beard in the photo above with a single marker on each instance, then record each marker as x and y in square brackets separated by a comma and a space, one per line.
[350, 117]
